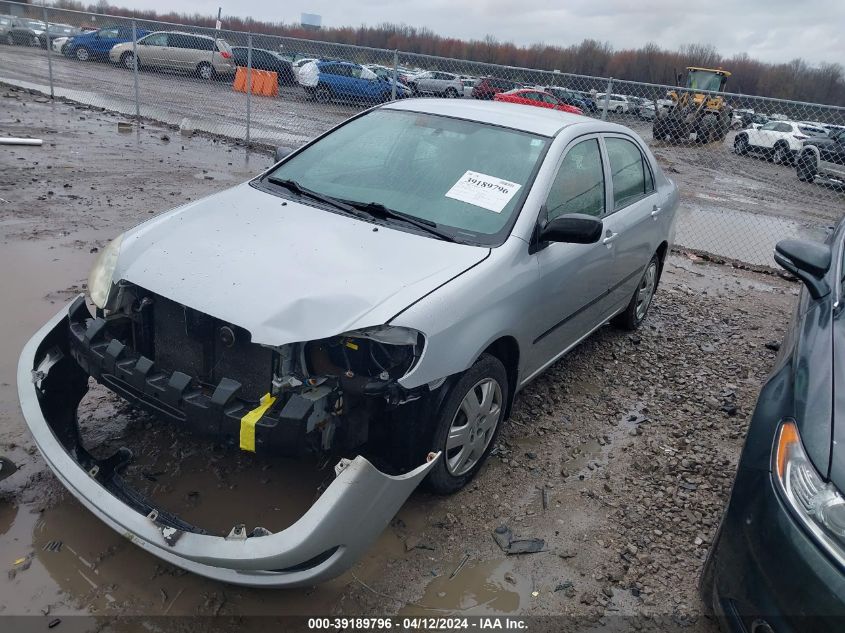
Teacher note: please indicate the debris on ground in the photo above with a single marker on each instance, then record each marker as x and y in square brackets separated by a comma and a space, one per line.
[510, 545]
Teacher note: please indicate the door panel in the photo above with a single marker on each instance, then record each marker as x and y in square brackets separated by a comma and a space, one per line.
[574, 278]
[634, 227]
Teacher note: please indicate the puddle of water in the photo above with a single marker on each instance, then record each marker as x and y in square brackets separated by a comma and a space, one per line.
[479, 588]
[748, 237]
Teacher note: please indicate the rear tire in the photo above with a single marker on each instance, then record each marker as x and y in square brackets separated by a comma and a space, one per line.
[637, 310]
[35, 42]
[805, 168]
[205, 71]
[471, 436]
[10, 40]
[451, 93]
[618, 109]
[780, 155]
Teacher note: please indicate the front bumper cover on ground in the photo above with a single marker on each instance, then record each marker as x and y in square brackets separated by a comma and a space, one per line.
[323, 543]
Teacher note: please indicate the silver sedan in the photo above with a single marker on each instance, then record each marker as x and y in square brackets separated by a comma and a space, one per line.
[385, 290]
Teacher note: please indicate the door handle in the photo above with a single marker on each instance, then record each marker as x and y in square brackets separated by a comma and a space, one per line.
[609, 237]
[656, 211]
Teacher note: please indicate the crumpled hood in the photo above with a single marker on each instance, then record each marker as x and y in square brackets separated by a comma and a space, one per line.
[286, 272]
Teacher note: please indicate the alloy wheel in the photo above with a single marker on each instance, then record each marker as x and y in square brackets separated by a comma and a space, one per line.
[82, 54]
[473, 426]
[646, 291]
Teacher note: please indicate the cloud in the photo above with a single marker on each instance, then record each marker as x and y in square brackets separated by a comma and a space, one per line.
[769, 30]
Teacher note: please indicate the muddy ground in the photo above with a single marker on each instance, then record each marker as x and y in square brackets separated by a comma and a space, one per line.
[620, 457]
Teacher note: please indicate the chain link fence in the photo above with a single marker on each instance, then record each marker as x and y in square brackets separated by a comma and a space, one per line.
[751, 170]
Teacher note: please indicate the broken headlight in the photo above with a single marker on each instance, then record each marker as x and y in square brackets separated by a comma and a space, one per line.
[817, 504]
[380, 353]
[100, 277]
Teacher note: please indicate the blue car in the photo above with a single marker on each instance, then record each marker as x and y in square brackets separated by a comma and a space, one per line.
[97, 44]
[344, 81]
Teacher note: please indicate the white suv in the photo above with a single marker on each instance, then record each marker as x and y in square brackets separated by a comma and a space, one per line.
[780, 140]
[616, 103]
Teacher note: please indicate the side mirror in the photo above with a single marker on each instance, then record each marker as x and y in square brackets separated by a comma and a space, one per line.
[809, 261]
[282, 152]
[572, 228]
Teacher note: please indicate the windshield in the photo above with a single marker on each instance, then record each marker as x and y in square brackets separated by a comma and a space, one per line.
[463, 175]
[704, 80]
[35, 24]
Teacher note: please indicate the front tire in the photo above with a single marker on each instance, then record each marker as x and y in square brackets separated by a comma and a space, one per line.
[322, 94]
[128, 61]
[35, 42]
[741, 144]
[637, 309]
[82, 54]
[466, 426]
[451, 93]
[780, 156]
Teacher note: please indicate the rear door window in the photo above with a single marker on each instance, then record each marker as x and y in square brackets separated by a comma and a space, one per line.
[630, 175]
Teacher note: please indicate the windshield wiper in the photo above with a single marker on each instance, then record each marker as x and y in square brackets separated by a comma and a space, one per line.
[376, 209]
[292, 185]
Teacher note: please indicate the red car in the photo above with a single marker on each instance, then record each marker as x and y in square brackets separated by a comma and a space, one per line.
[529, 96]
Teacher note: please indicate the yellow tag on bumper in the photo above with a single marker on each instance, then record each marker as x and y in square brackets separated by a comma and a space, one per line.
[249, 421]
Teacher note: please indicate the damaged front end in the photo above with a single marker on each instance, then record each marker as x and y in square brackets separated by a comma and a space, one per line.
[206, 375]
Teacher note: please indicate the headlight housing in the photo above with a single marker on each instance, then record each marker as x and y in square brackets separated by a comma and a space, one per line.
[818, 505]
[100, 277]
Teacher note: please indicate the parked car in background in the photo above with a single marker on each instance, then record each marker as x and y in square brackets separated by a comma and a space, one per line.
[571, 97]
[489, 87]
[58, 44]
[203, 56]
[97, 44]
[823, 157]
[28, 32]
[263, 59]
[615, 103]
[538, 98]
[327, 81]
[533, 227]
[436, 83]
[779, 140]
[777, 563]
[5, 25]
[634, 104]
[469, 85]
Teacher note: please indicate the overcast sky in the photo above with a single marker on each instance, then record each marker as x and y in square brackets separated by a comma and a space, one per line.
[770, 30]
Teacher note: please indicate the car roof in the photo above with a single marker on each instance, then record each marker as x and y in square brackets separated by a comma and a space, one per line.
[542, 121]
[208, 37]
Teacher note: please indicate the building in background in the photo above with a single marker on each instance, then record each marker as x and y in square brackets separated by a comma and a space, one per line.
[311, 21]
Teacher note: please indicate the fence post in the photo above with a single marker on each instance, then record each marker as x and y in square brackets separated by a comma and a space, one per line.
[395, 74]
[135, 71]
[49, 49]
[606, 99]
[248, 83]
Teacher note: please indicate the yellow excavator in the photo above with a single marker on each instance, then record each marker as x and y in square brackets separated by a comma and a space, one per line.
[696, 113]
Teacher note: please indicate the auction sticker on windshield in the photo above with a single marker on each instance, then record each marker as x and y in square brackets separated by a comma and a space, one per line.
[483, 191]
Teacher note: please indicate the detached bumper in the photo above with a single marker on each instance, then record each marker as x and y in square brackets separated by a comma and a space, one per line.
[323, 543]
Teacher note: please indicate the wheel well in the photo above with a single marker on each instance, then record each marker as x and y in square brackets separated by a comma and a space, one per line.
[662, 251]
[506, 349]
